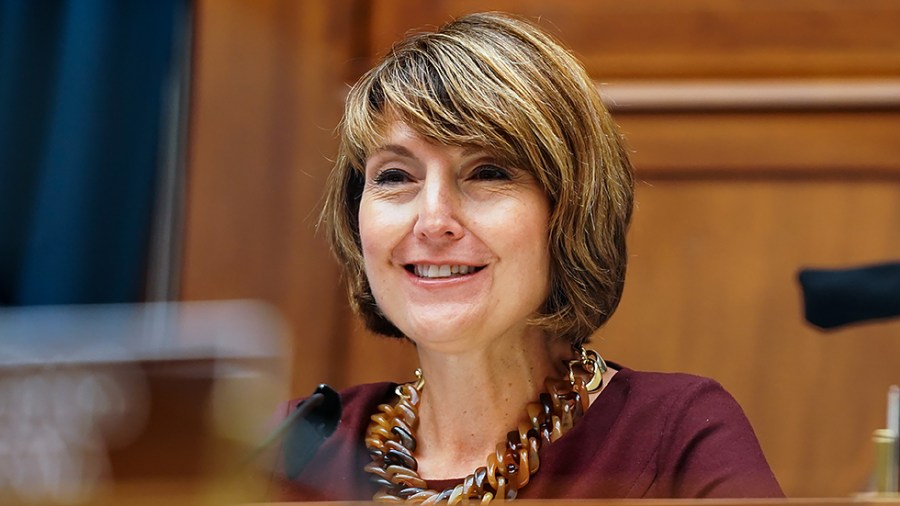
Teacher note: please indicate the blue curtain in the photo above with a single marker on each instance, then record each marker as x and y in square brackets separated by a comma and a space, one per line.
[81, 98]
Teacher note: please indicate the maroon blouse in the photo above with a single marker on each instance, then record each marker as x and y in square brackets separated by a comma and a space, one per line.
[653, 435]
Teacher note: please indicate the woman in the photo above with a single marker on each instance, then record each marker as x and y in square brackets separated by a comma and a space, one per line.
[479, 204]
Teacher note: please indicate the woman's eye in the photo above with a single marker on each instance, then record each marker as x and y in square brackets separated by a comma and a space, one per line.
[490, 173]
[391, 176]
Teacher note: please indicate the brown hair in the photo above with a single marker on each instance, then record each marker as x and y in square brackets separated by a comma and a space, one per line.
[494, 80]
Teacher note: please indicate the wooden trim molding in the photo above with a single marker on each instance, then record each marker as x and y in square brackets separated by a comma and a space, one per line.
[760, 128]
[757, 95]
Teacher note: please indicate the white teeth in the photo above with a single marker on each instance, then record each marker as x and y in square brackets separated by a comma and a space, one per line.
[442, 271]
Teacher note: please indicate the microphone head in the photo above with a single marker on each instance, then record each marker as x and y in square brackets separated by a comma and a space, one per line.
[327, 415]
[833, 298]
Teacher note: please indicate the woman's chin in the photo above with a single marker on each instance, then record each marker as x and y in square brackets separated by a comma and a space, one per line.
[447, 335]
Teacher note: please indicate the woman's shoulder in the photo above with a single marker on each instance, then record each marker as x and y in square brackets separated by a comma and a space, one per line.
[662, 382]
[702, 442]
[367, 393]
[671, 389]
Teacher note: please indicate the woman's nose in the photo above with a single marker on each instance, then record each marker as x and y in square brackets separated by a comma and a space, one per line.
[439, 208]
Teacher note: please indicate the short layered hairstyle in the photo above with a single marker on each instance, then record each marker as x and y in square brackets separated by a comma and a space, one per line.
[500, 83]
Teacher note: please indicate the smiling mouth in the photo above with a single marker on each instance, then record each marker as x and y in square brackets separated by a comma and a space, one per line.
[442, 271]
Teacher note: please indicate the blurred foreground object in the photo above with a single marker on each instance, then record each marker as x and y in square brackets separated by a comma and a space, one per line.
[132, 404]
[885, 441]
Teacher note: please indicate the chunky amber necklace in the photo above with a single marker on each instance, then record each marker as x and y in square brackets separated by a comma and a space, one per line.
[391, 441]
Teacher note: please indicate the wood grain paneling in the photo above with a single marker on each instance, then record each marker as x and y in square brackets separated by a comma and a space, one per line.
[726, 95]
[267, 95]
[712, 290]
[691, 38]
[764, 144]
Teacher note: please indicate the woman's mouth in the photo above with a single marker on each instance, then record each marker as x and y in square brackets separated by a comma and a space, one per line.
[431, 271]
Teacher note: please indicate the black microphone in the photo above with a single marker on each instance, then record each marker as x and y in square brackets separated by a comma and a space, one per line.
[304, 430]
[316, 417]
[835, 297]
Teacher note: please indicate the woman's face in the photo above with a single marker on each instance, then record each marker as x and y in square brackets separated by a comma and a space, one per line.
[454, 242]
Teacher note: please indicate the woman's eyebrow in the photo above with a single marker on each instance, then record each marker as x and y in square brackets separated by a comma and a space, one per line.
[394, 148]
[475, 150]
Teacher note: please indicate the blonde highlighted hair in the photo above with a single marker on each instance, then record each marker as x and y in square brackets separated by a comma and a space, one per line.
[499, 82]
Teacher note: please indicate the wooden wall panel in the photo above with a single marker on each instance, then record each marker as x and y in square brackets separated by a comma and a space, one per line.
[691, 38]
[849, 144]
[268, 87]
[712, 290]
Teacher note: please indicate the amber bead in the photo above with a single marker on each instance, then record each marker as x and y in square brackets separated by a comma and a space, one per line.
[574, 402]
[524, 472]
[524, 427]
[534, 459]
[546, 429]
[406, 493]
[443, 496]
[480, 476]
[390, 444]
[411, 481]
[376, 454]
[421, 496]
[398, 422]
[557, 429]
[501, 487]
[581, 388]
[535, 413]
[379, 431]
[513, 440]
[565, 418]
[411, 394]
[556, 388]
[380, 419]
[395, 457]
[546, 404]
[546, 433]
[409, 415]
[510, 464]
[375, 469]
[431, 499]
[492, 464]
[469, 484]
[386, 497]
[374, 443]
[455, 495]
[402, 475]
[406, 439]
[500, 454]
[381, 481]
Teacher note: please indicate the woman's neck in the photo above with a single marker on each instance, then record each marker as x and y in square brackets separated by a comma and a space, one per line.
[471, 400]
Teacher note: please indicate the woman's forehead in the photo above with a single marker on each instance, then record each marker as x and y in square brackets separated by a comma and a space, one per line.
[398, 135]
